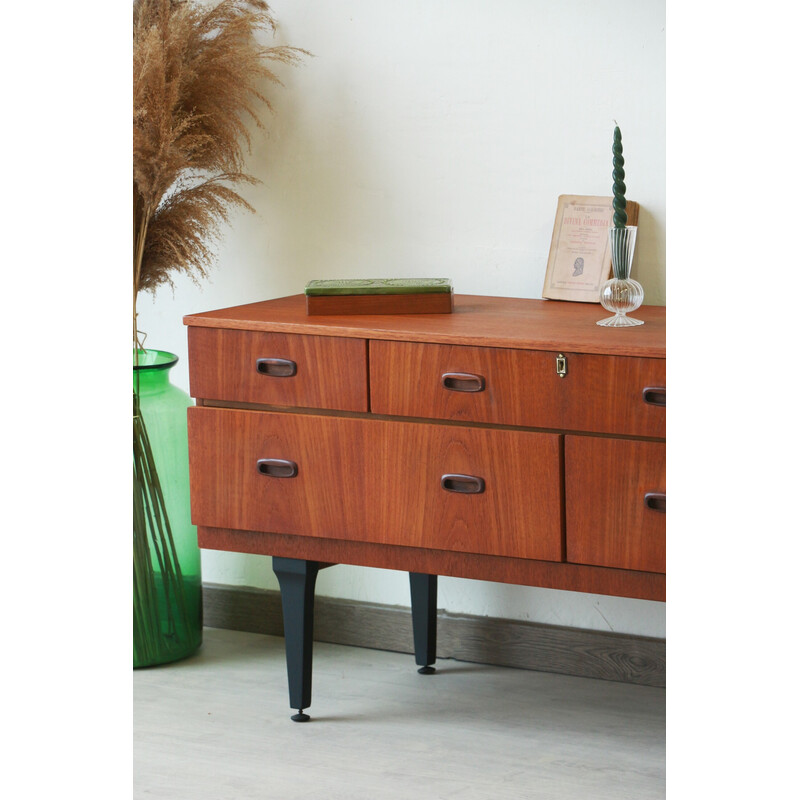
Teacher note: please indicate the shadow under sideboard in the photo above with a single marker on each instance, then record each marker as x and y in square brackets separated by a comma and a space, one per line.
[483, 640]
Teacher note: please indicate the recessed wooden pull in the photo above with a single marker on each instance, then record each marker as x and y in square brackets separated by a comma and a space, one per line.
[277, 467]
[657, 501]
[655, 395]
[463, 382]
[276, 367]
[463, 484]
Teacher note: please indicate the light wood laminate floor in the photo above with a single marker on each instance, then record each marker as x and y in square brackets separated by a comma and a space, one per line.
[217, 726]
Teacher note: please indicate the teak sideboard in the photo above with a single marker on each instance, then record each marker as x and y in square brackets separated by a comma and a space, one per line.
[511, 440]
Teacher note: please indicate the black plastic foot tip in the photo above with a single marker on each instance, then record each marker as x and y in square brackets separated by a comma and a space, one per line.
[300, 717]
[426, 670]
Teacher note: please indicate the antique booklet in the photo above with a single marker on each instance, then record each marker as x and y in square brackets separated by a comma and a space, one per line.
[580, 258]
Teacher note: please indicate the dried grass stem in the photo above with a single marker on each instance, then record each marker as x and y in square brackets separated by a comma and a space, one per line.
[199, 74]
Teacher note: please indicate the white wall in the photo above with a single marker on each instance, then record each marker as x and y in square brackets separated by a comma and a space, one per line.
[432, 138]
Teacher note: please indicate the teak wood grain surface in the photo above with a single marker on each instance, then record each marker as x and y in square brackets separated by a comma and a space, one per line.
[523, 571]
[601, 394]
[608, 520]
[359, 405]
[329, 372]
[378, 481]
[476, 320]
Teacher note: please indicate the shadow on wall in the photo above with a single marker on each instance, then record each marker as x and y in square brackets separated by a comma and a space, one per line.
[647, 266]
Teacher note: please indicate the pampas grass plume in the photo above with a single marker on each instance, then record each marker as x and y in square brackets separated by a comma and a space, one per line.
[199, 76]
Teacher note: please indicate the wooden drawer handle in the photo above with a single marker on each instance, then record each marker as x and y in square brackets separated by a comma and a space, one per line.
[463, 382]
[463, 484]
[657, 501]
[276, 367]
[277, 467]
[655, 395]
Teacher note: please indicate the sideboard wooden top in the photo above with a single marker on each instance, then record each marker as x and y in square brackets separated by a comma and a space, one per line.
[519, 323]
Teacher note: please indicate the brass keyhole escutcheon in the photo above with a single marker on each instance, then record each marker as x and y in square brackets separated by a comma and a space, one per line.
[561, 365]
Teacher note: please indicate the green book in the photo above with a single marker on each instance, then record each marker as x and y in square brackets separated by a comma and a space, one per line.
[362, 286]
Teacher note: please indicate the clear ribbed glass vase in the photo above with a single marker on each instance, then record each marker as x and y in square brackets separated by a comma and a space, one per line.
[621, 294]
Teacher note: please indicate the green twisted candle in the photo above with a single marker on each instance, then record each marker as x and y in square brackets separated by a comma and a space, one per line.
[620, 216]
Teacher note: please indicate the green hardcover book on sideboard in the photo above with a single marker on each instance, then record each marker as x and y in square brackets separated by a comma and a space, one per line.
[380, 296]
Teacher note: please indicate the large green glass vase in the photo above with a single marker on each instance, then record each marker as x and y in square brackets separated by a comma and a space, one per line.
[167, 600]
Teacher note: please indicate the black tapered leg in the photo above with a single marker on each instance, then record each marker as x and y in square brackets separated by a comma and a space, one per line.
[423, 619]
[297, 579]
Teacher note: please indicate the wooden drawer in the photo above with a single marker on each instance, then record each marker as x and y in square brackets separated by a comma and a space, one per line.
[278, 369]
[616, 515]
[378, 481]
[599, 394]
